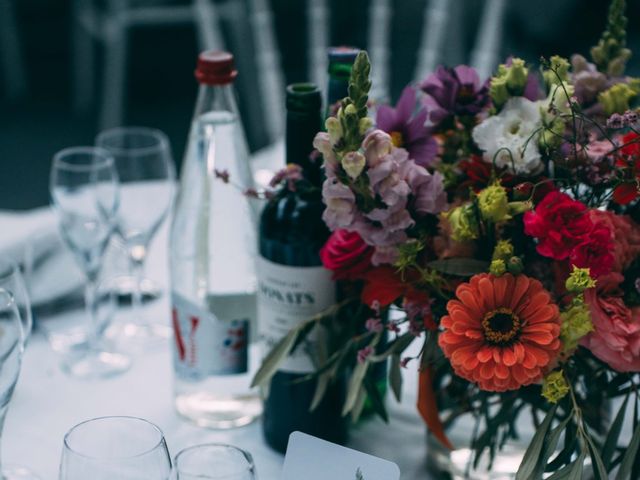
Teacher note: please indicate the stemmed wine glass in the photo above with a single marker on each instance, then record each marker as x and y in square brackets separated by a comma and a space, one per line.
[108, 448]
[84, 193]
[213, 461]
[147, 183]
[11, 349]
[12, 280]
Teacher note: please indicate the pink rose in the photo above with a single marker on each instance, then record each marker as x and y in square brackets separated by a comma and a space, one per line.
[346, 254]
[616, 336]
[626, 237]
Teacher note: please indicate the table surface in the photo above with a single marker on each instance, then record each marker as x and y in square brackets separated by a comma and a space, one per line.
[47, 402]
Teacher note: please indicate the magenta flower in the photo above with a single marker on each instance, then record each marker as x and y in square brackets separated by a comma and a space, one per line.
[408, 130]
[454, 92]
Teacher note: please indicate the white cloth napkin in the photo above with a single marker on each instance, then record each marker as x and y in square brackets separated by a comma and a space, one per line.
[31, 239]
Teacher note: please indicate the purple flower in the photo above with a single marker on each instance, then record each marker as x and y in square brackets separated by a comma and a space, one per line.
[341, 204]
[587, 80]
[615, 121]
[385, 255]
[427, 189]
[408, 130]
[454, 91]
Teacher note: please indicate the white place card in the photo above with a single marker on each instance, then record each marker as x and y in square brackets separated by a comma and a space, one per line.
[310, 458]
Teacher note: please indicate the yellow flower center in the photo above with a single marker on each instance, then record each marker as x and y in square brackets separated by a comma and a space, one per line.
[500, 326]
[396, 139]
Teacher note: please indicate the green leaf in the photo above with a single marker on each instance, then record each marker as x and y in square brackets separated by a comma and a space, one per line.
[321, 388]
[377, 401]
[570, 442]
[460, 267]
[550, 447]
[563, 473]
[395, 377]
[355, 385]
[599, 471]
[611, 442]
[532, 456]
[578, 467]
[359, 404]
[271, 362]
[398, 345]
[630, 456]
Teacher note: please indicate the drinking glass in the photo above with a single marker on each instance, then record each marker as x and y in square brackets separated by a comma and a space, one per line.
[11, 349]
[213, 461]
[12, 280]
[109, 448]
[84, 193]
[147, 184]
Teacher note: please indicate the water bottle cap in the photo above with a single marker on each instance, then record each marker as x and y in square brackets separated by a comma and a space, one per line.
[215, 67]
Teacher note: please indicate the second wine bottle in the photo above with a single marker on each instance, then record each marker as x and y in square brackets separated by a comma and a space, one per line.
[293, 285]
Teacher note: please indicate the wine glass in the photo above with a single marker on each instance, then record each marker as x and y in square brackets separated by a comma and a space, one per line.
[11, 349]
[108, 448]
[12, 280]
[84, 193]
[213, 461]
[147, 183]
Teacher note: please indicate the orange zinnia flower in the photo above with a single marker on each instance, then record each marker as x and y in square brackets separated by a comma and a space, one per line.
[501, 332]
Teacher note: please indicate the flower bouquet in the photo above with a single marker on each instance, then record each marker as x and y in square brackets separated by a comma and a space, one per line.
[500, 217]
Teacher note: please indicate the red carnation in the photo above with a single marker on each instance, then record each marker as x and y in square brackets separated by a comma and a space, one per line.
[629, 164]
[596, 252]
[346, 254]
[559, 223]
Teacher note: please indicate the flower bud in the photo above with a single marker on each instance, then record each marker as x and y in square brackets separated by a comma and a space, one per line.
[494, 204]
[579, 280]
[554, 386]
[498, 91]
[353, 163]
[364, 125]
[334, 128]
[517, 74]
[464, 225]
[503, 250]
[497, 268]
[616, 99]
[523, 191]
[515, 266]
[576, 323]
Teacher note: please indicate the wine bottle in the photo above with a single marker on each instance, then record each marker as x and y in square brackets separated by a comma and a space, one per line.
[212, 261]
[293, 285]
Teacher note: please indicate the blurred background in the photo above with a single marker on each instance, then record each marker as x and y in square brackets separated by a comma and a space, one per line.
[69, 68]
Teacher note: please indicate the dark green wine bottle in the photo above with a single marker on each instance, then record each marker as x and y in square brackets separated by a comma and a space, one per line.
[293, 285]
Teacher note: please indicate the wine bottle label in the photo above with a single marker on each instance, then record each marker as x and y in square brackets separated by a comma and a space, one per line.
[205, 344]
[287, 296]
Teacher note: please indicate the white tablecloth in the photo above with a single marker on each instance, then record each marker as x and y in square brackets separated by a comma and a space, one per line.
[47, 403]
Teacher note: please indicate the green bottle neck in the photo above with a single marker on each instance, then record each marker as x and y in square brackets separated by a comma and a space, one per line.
[304, 121]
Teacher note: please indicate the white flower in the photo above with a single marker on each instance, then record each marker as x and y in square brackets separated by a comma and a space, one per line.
[511, 137]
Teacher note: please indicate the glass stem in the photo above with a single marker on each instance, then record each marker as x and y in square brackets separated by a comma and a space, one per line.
[3, 415]
[137, 270]
[91, 307]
